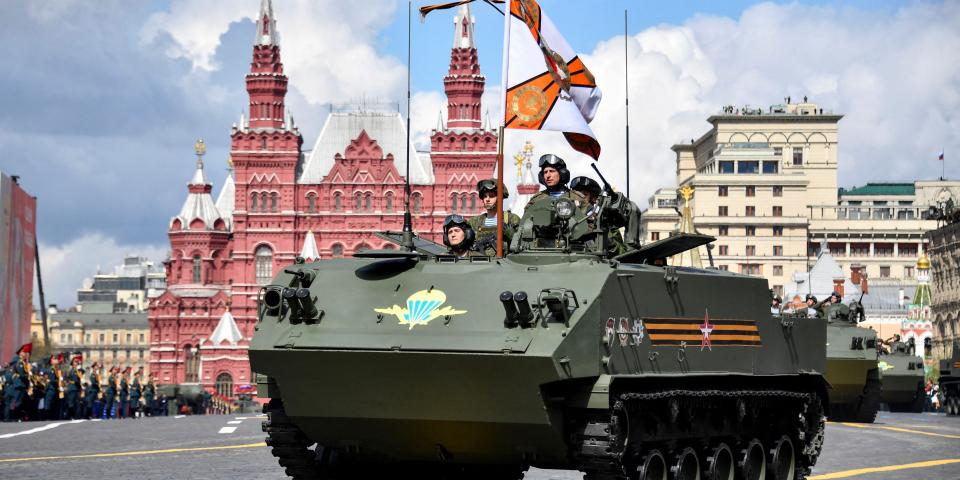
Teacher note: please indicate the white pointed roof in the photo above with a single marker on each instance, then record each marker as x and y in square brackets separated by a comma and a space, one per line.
[463, 30]
[226, 200]
[199, 202]
[386, 127]
[266, 30]
[226, 330]
[819, 281]
[309, 250]
[526, 178]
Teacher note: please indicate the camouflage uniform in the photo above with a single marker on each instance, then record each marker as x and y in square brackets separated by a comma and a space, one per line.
[487, 236]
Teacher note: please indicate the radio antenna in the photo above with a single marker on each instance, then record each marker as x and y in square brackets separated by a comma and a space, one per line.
[407, 241]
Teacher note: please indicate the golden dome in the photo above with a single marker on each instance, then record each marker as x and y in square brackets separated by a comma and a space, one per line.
[923, 262]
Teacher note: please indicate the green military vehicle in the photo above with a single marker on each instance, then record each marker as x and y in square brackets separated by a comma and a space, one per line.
[412, 363]
[852, 370]
[903, 377]
[950, 382]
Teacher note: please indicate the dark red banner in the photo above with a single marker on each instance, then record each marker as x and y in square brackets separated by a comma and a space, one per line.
[17, 234]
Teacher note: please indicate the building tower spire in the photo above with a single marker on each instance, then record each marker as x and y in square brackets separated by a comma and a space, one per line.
[266, 25]
[464, 83]
[266, 83]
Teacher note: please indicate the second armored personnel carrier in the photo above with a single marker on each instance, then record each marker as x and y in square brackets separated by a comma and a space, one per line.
[903, 376]
[852, 368]
[950, 382]
[407, 363]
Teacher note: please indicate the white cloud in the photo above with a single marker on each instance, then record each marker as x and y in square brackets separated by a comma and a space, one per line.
[65, 267]
[892, 75]
[333, 66]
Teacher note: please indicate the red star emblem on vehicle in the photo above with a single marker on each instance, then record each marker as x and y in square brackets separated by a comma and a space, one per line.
[706, 328]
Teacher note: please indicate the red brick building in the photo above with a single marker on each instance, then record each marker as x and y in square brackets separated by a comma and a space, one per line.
[281, 202]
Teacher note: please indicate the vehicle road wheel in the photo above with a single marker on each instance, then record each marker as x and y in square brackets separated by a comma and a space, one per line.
[686, 465]
[783, 462]
[720, 463]
[752, 463]
[653, 467]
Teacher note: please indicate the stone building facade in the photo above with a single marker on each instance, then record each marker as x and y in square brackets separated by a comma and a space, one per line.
[944, 254]
[765, 184]
[281, 202]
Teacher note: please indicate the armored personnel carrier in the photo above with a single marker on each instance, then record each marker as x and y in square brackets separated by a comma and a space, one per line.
[903, 376]
[852, 369]
[401, 363]
[950, 382]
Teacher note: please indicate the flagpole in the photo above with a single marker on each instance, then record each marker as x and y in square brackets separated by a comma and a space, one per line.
[626, 95]
[500, 133]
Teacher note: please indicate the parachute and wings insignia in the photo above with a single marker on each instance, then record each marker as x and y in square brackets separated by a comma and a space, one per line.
[422, 307]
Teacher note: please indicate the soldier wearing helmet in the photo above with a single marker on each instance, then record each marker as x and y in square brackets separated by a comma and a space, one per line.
[458, 236]
[591, 190]
[485, 224]
[554, 177]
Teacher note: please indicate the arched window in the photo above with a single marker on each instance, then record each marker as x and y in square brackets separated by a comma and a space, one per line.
[337, 202]
[253, 202]
[197, 268]
[273, 201]
[463, 202]
[337, 250]
[311, 203]
[388, 200]
[263, 202]
[416, 202]
[263, 141]
[263, 260]
[368, 202]
[453, 202]
[356, 204]
[224, 384]
[191, 364]
[463, 144]
[473, 202]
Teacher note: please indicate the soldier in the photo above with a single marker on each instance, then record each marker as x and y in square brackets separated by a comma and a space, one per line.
[136, 391]
[123, 410]
[110, 393]
[591, 190]
[458, 236]
[91, 393]
[74, 387]
[554, 176]
[53, 392]
[812, 310]
[149, 395]
[20, 367]
[485, 224]
[776, 305]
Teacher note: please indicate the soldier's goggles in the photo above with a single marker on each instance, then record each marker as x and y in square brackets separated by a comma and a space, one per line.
[551, 161]
[452, 220]
[486, 185]
[584, 183]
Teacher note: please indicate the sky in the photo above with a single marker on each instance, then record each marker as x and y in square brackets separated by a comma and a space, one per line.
[105, 99]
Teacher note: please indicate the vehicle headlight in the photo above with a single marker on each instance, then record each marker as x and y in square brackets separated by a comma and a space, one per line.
[565, 208]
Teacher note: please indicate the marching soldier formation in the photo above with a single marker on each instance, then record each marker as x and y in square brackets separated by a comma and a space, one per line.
[52, 390]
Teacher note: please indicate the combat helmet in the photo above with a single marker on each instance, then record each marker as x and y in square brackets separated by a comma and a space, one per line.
[585, 184]
[455, 220]
[551, 160]
[490, 185]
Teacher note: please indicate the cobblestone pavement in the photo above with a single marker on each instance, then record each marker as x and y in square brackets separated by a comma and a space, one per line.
[227, 447]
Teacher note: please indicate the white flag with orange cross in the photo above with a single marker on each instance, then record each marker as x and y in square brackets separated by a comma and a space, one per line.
[547, 87]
